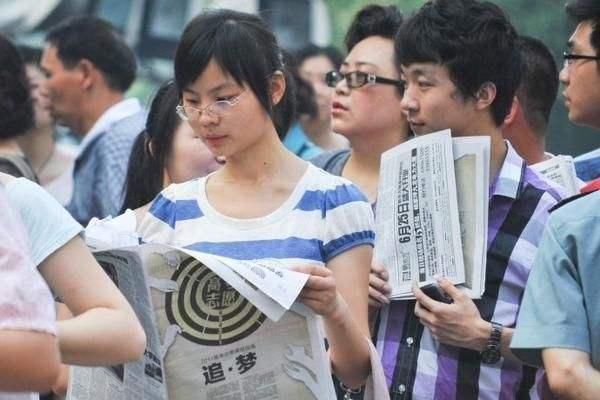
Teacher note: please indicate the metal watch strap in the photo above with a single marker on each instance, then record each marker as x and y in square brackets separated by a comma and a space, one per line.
[491, 353]
[495, 335]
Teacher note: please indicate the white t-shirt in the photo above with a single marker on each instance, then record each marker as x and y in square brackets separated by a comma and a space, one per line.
[49, 226]
[46, 230]
[323, 217]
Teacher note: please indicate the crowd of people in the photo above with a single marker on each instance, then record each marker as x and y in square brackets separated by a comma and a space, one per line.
[222, 163]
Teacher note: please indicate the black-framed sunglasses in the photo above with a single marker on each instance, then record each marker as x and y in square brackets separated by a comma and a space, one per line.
[570, 58]
[356, 79]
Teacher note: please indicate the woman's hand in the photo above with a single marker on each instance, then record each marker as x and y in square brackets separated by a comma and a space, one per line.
[320, 292]
[379, 288]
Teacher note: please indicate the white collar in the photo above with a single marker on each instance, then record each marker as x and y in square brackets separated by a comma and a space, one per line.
[114, 113]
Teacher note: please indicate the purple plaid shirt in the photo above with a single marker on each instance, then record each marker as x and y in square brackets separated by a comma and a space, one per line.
[418, 367]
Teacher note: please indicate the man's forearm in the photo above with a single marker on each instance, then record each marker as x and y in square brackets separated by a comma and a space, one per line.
[571, 375]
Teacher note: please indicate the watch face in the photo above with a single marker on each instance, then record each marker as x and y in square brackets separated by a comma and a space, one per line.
[490, 356]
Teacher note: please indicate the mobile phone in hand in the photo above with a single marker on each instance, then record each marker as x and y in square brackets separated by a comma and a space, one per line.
[434, 291]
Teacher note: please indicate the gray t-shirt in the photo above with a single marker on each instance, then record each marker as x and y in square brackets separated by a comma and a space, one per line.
[332, 162]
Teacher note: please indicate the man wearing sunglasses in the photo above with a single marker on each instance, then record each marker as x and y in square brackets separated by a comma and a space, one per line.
[559, 322]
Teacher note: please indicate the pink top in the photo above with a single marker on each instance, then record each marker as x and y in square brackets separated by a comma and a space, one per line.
[25, 300]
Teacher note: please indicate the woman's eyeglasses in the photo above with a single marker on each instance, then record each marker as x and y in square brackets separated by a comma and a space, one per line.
[356, 79]
[217, 109]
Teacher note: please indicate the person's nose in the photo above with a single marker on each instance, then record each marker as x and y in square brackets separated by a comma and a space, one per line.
[409, 103]
[563, 77]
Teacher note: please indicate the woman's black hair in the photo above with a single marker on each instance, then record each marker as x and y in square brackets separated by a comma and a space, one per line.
[334, 56]
[243, 47]
[373, 20]
[151, 148]
[16, 107]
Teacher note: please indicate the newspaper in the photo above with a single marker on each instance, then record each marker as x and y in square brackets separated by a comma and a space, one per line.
[472, 168]
[217, 329]
[143, 379]
[418, 233]
[561, 170]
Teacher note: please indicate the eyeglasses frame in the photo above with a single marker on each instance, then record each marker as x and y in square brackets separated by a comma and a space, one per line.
[180, 109]
[567, 57]
[371, 78]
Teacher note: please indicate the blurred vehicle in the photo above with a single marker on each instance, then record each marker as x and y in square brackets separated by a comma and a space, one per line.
[152, 27]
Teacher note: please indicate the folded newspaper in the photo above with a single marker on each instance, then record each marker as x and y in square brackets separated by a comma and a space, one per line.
[217, 329]
[432, 212]
[561, 170]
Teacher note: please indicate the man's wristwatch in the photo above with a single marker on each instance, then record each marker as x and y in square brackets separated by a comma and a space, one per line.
[491, 354]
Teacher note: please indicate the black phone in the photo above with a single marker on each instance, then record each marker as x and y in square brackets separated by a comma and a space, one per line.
[434, 291]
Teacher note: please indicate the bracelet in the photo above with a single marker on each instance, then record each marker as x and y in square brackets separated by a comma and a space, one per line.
[348, 391]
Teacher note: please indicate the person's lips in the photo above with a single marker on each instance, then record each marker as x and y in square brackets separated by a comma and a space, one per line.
[415, 125]
[214, 140]
[338, 108]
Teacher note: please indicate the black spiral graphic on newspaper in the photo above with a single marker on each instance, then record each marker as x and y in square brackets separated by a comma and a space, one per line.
[208, 310]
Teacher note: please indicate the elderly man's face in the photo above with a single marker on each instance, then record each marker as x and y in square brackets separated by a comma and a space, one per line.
[63, 86]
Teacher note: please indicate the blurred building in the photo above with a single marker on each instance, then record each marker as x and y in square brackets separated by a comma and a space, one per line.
[152, 27]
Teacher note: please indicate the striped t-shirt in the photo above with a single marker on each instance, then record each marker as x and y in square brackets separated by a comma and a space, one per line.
[323, 217]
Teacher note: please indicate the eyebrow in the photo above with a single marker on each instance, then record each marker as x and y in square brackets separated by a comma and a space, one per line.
[360, 64]
[419, 72]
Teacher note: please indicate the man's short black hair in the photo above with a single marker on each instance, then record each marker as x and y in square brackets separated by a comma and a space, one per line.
[16, 108]
[587, 10]
[474, 40]
[373, 20]
[93, 39]
[539, 82]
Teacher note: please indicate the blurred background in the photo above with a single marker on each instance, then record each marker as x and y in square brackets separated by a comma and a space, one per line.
[152, 28]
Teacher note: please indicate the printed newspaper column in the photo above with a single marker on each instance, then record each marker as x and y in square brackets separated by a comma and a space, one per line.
[472, 169]
[217, 329]
[561, 170]
[417, 224]
[142, 379]
[227, 348]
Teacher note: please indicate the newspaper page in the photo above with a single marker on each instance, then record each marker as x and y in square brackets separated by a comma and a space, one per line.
[143, 379]
[561, 170]
[472, 168]
[209, 334]
[417, 224]
[218, 345]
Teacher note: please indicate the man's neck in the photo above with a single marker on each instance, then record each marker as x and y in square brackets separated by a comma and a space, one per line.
[498, 147]
[528, 144]
[498, 151]
[98, 104]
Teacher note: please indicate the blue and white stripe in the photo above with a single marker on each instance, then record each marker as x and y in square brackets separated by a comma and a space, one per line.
[324, 217]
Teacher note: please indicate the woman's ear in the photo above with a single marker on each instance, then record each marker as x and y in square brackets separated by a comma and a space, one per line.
[485, 95]
[278, 86]
[149, 145]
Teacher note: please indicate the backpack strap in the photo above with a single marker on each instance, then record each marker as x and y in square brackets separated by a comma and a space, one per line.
[21, 165]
